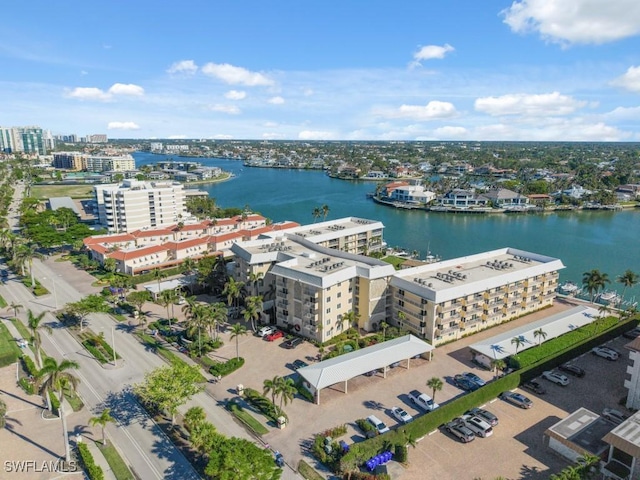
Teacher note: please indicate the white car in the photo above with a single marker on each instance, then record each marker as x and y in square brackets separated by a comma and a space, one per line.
[605, 352]
[555, 377]
[401, 415]
[478, 425]
[614, 416]
[264, 331]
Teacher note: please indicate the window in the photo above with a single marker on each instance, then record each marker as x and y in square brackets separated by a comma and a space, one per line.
[339, 294]
[339, 306]
[328, 322]
[401, 293]
[328, 310]
[328, 299]
[401, 303]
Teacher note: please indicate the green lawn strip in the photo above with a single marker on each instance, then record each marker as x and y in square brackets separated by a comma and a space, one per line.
[395, 261]
[3, 302]
[168, 355]
[247, 419]
[22, 328]
[115, 461]
[73, 191]
[74, 400]
[97, 346]
[9, 350]
[308, 472]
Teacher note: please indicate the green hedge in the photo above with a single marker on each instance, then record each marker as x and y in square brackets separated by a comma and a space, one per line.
[266, 406]
[93, 350]
[303, 392]
[55, 403]
[227, 367]
[552, 347]
[27, 386]
[88, 463]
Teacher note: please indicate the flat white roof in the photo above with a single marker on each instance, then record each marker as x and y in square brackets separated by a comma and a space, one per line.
[459, 277]
[349, 365]
[172, 284]
[500, 346]
[332, 229]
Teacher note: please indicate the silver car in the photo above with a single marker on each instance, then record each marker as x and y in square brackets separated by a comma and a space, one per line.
[605, 352]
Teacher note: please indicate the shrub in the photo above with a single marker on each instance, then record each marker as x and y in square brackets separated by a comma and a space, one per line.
[27, 386]
[55, 403]
[266, 406]
[365, 426]
[29, 365]
[303, 392]
[401, 454]
[88, 464]
[335, 432]
[97, 354]
[227, 367]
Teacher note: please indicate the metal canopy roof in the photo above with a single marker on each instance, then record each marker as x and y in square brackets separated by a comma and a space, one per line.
[500, 346]
[349, 365]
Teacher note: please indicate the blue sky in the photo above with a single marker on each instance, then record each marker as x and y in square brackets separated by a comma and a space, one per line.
[531, 70]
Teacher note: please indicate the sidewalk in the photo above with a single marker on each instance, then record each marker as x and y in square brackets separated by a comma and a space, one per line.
[100, 460]
[16, 335]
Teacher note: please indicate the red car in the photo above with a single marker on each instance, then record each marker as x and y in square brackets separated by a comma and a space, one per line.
[274, 336]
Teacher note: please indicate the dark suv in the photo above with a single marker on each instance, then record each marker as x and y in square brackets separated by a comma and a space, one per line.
[293, 343]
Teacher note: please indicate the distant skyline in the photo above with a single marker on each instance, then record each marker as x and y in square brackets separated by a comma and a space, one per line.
[524, 70]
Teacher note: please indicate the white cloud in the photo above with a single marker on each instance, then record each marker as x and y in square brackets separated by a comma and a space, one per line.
[84, 72]
[93, 93]
[315, 135]
[183, 66]
[230, 109]
[126, 89]
[630, 80]
[271, 124]
[433, 110]
[236, 75]
[235, 95]
[624, 113]
[122, 126]
[430, 52]
[177, 137]
[450, 132]
[546, 104]
[272, 136]
[88, 93]
[223, 136]
[575, 21]
[276, 100]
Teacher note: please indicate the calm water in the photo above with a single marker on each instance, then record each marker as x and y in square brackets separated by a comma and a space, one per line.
[583, 241]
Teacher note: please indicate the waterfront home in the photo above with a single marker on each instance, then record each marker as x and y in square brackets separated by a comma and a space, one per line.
[412, 194]
[539, 199]
[633, 190]
[459, 198]
[504, 198]
[576, 191]
[388, 189]
[375, 174]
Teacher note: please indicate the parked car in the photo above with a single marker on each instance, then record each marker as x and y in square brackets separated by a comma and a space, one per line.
[293, 342]
[299, 364]
[605, 352]
[572, 369]
[264, 331]
[459, 429]
[478, 426]
[634, 333]
[274, 336]
[555, 377]
[535, 387]
[401, 415]
[516, 399]
[464, 383]
[488, 417]
[378, 424]
[474, 378]
[279, 459]
[423, 400]
[614, 416]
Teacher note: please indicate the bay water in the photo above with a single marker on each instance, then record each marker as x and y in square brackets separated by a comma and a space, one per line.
[585, 240]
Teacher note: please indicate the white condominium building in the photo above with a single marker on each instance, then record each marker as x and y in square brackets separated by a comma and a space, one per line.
[349, 234]
[133, 205]
[107, 163]
[314, 288]
[447, 300]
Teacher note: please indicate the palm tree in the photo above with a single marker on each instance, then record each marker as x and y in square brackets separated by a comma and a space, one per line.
[3, 414]
[402, 317]
[594, 281]
[102, 420]
[219, 314]
[55, 376]
[272, 386]
[287, 390]
[383, 327]
[253, 307]
[351, 317]
[159, 275]
[604, 309]
[24, 255]
[435, 384]
[33, 321]
[325, 211]
[196, 321]
[16, 308]
[254, 279]
[233, 291]
[238, 330]
[498, 364]
[518, 342]
[628, 279]
[164, 300]
[540, 334]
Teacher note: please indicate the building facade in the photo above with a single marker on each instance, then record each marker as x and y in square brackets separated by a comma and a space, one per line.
[75, 161]
[133, 205]
[104, 163]
[30, 139]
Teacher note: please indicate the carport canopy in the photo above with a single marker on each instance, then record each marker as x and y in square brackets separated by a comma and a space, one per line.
[349, 365]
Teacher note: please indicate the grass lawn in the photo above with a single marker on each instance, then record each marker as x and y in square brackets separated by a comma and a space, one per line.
[22, 328]
[395, 261]
[3, 302]
[308, 472]
[118, 467]
[9, 350]
[74, 400]
[73, 191]
[247, 419]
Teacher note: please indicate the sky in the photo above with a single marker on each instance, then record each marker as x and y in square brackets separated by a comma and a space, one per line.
[473, 70]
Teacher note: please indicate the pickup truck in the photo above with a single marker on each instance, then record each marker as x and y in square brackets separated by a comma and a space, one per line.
[422, 400]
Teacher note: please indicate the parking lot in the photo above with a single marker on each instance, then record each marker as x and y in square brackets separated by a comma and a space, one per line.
[518, 438]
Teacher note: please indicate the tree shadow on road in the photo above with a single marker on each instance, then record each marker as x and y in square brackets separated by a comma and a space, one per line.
[373, 405]
[125, 408]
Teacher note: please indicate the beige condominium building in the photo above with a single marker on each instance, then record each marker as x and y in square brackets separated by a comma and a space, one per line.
[133, 205]
[447, 300]
[349, 234]
[314, 288]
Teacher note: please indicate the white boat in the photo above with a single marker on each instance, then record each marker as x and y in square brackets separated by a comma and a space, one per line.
[569, 288]
[609, 297]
